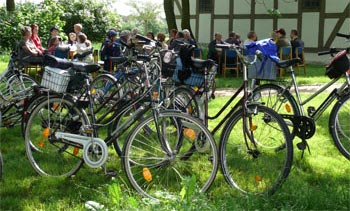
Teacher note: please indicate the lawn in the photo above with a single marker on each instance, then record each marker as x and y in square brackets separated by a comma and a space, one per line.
[319, 181]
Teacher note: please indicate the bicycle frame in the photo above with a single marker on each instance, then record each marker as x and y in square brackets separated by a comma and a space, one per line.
[328, 101]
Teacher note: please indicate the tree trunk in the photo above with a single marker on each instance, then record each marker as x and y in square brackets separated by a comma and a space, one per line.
[170, 14]
[185, 21]
[10, 5]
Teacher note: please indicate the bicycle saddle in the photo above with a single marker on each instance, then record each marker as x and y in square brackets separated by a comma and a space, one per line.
[84, 67]
[287, 63]
[118, 60]
[200, 63]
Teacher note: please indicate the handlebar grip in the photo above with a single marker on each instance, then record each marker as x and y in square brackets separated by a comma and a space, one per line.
[223, 46]
[347, 36]
[323, 53]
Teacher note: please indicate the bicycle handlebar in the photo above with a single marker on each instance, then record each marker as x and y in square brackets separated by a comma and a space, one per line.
[347, 36]
[146, 39]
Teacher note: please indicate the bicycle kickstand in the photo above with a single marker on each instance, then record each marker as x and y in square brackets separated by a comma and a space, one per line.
[108, 173]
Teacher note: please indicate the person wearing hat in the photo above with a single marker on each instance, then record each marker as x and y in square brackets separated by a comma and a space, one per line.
[110, 48]
[281, 39]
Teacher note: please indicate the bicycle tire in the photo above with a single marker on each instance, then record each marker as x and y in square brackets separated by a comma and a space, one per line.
[106, 93]
[258, 169]
[50, 156]
[1, 164]
[183, 99]
[278, 99]
[339, 125]
[191, 153]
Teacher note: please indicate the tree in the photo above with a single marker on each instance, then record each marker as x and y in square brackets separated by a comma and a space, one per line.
[10, 5]
[146, 16]
[169, 14]
[185, 21]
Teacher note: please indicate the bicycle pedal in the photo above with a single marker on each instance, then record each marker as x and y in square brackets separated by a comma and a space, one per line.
[255, 153]
[302, 145]
[110, 173]
[311, 110]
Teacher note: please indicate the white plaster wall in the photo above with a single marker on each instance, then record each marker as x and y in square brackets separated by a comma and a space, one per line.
[193, 7]
[241, 27]
[261, 9]
[286, 7]
[221, 26]
[263, 28]
[287, 24]
[310, 22]
[241, 7]
[204, 28]
[339, 42]
[336, 5]
[222, 7]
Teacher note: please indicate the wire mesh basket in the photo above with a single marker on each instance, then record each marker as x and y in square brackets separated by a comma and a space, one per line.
[263, 69]
[55, 79]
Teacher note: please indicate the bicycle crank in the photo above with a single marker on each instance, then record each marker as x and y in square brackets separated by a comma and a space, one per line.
[95, 150]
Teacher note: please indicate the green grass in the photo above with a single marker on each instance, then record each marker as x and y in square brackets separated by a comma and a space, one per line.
[319, 181]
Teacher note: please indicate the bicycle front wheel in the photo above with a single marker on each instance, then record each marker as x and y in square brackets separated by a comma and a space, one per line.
[256, 154]
[339, 125]
[162, 153]
[48, 155]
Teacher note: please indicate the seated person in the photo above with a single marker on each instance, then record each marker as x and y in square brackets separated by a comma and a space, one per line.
[53, 33]
[281, 40]
[187, 37]
[212, 50]
[232, 38]
[110, 48]
[176, 45]
[295, 42]
[252, 37]
[28, 53]
[72, 39]
[84, 49]
[35, 38]
[56, 49]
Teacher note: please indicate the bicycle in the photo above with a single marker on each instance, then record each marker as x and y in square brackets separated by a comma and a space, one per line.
[301, 122]
[65, 134]
[255, 147]
[14, 88]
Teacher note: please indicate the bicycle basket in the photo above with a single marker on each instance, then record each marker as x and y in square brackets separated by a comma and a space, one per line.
[168, 63]
[264, 68]
[338, 65]
[55, 79]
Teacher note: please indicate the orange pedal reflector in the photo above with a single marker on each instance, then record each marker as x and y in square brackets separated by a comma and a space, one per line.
[75, 150]
[46, 132]
[41, 144]
[147, 174]
[189, 133]
[258, 178]
[55, 106]
[253, 127]
[189, 109]
[288, 108]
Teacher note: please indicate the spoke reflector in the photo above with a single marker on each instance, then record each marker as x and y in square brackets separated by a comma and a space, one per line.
[46, 133]
[288, 108]
[147, 174]
[189, 133]
[75, 150]
[41, 144]
[258, 178]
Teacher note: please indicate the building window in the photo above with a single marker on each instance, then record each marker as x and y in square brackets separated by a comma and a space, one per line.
[205, 6]
[311, 4]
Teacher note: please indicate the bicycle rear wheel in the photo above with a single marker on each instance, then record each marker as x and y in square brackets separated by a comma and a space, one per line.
[259, 164]
[48, 155]
[278, 99]
[339, 125]
[156, 163]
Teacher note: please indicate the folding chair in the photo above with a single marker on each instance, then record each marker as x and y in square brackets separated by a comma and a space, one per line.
[284, 54]
[231, 62]
[299, 52]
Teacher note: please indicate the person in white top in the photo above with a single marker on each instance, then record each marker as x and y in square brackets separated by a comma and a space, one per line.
[84, 49]
[251, 38]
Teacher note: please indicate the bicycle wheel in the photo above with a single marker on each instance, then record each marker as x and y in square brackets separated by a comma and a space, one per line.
[106, 93]
[48, 155]
[156, 163]
[339, 125]
[260, 163]
[183, 99]
[278, 99]
[1, 163]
